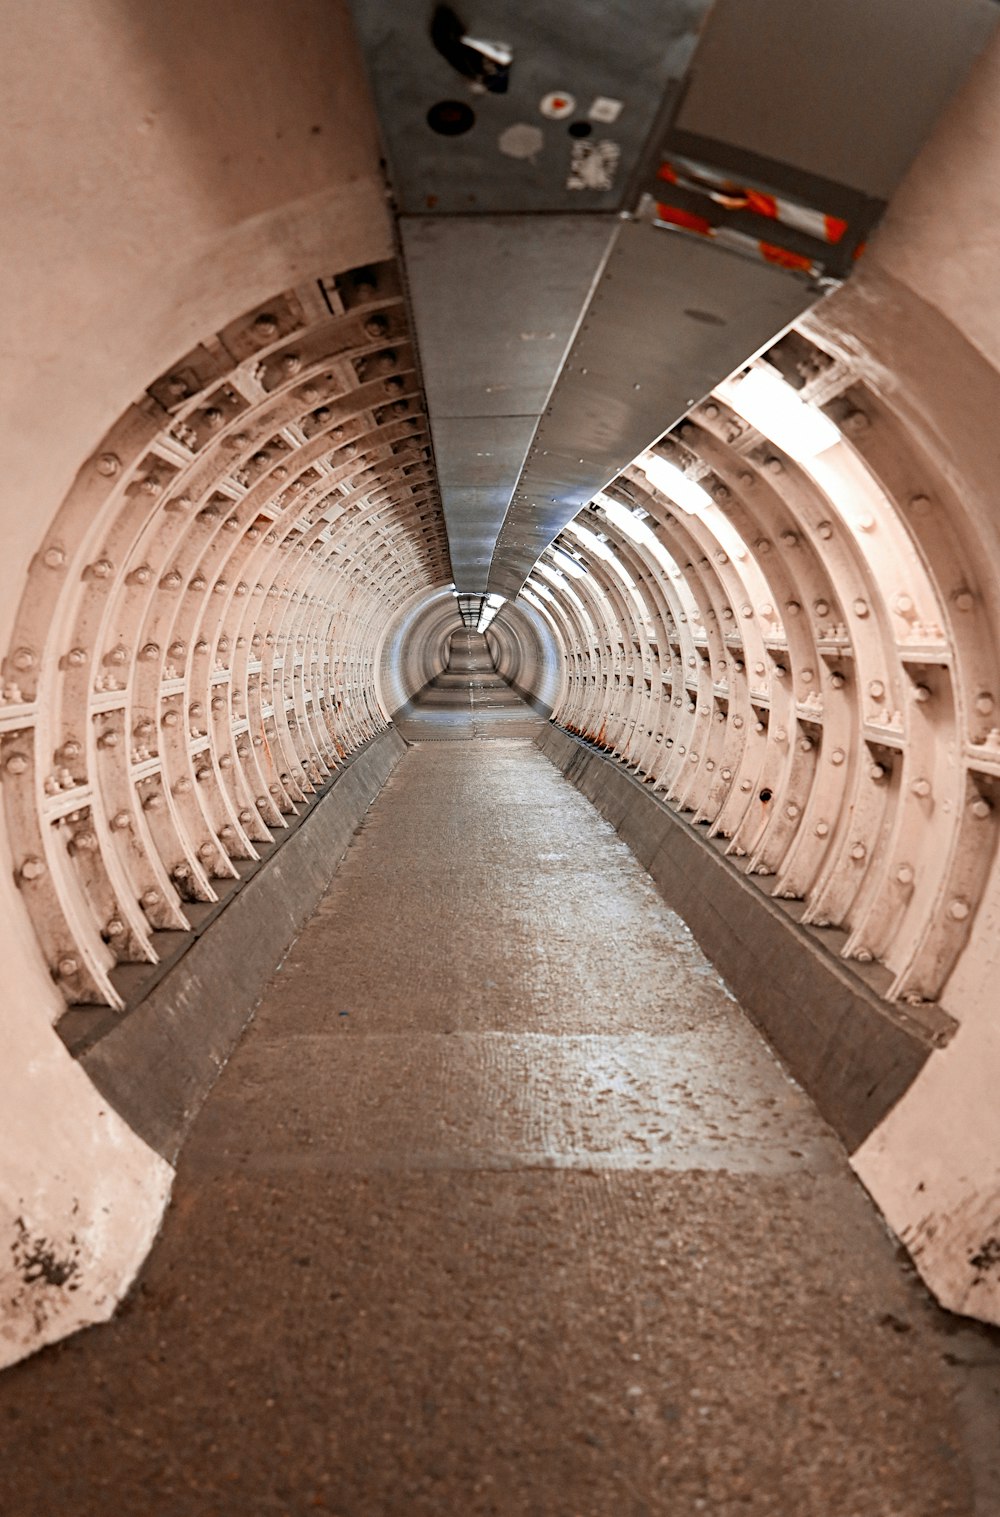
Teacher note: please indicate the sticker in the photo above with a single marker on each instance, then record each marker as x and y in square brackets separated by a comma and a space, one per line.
[606, 109]
[593, 165]
[521, 141]
[558, 105]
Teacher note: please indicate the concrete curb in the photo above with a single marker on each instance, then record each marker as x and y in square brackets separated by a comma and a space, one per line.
[157, 1063]
[855, 1053]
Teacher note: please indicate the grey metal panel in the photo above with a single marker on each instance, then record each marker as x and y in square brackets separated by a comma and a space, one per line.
[495, 302]
[844, 89]
[671, 316]
[479, 459]
[627, 50]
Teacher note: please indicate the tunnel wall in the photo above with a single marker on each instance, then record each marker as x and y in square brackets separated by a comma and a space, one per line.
[216, 496]
[526, 654]
[415, 646]
[802, 663]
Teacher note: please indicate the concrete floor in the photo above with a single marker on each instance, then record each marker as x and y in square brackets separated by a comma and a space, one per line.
[501, 1207]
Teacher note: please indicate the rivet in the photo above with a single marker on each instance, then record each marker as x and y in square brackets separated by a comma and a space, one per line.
[964, 600]
[825, 529]
[921, 788]
[149, 651]
[149, 898]
[837, 756]
[877, 772]
[170, 718]
[958, 910]
[108, 464]
[32, 868]
[920, 504]
[121, 821]
[981, 808]
[745, 785]
[115, 927]
[791, 811]
[876, 689]
[922, 694]
[16, 763]
[23, 659]
[860, 607]
[68, 967]
[53, 558]
[822, 829]
[821, 607]
[905, 874]
[858, 851]
[153, 802]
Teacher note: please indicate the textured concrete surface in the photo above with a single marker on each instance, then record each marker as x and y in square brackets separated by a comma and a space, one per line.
[855, 1053]
[502, 1207]
[157, 1064]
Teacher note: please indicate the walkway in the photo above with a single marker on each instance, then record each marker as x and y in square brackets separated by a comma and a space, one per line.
[501, 1208]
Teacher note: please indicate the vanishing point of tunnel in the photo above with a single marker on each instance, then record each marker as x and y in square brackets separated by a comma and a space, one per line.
[500, 759]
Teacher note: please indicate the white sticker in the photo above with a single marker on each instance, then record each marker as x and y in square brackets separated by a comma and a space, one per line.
[606, 109]
[592, 165]
[557, 105]
[521, 141]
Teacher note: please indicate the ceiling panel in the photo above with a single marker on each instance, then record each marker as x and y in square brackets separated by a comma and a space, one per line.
[496, 300]
[610, 61]
[671, 316]
[478, 459]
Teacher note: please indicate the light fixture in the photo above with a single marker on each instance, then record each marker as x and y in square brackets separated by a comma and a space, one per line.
[771, 405]
[568, 563]
[674, 483]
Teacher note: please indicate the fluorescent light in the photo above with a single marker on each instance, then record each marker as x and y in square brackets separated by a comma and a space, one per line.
[674, 483]
[638, 530]
[776, 410]
[552, 575]
[567, 562]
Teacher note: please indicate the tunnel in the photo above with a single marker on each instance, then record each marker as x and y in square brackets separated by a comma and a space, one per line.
[500, 757]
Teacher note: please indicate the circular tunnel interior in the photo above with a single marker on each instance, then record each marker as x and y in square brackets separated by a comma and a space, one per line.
[778, 618]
